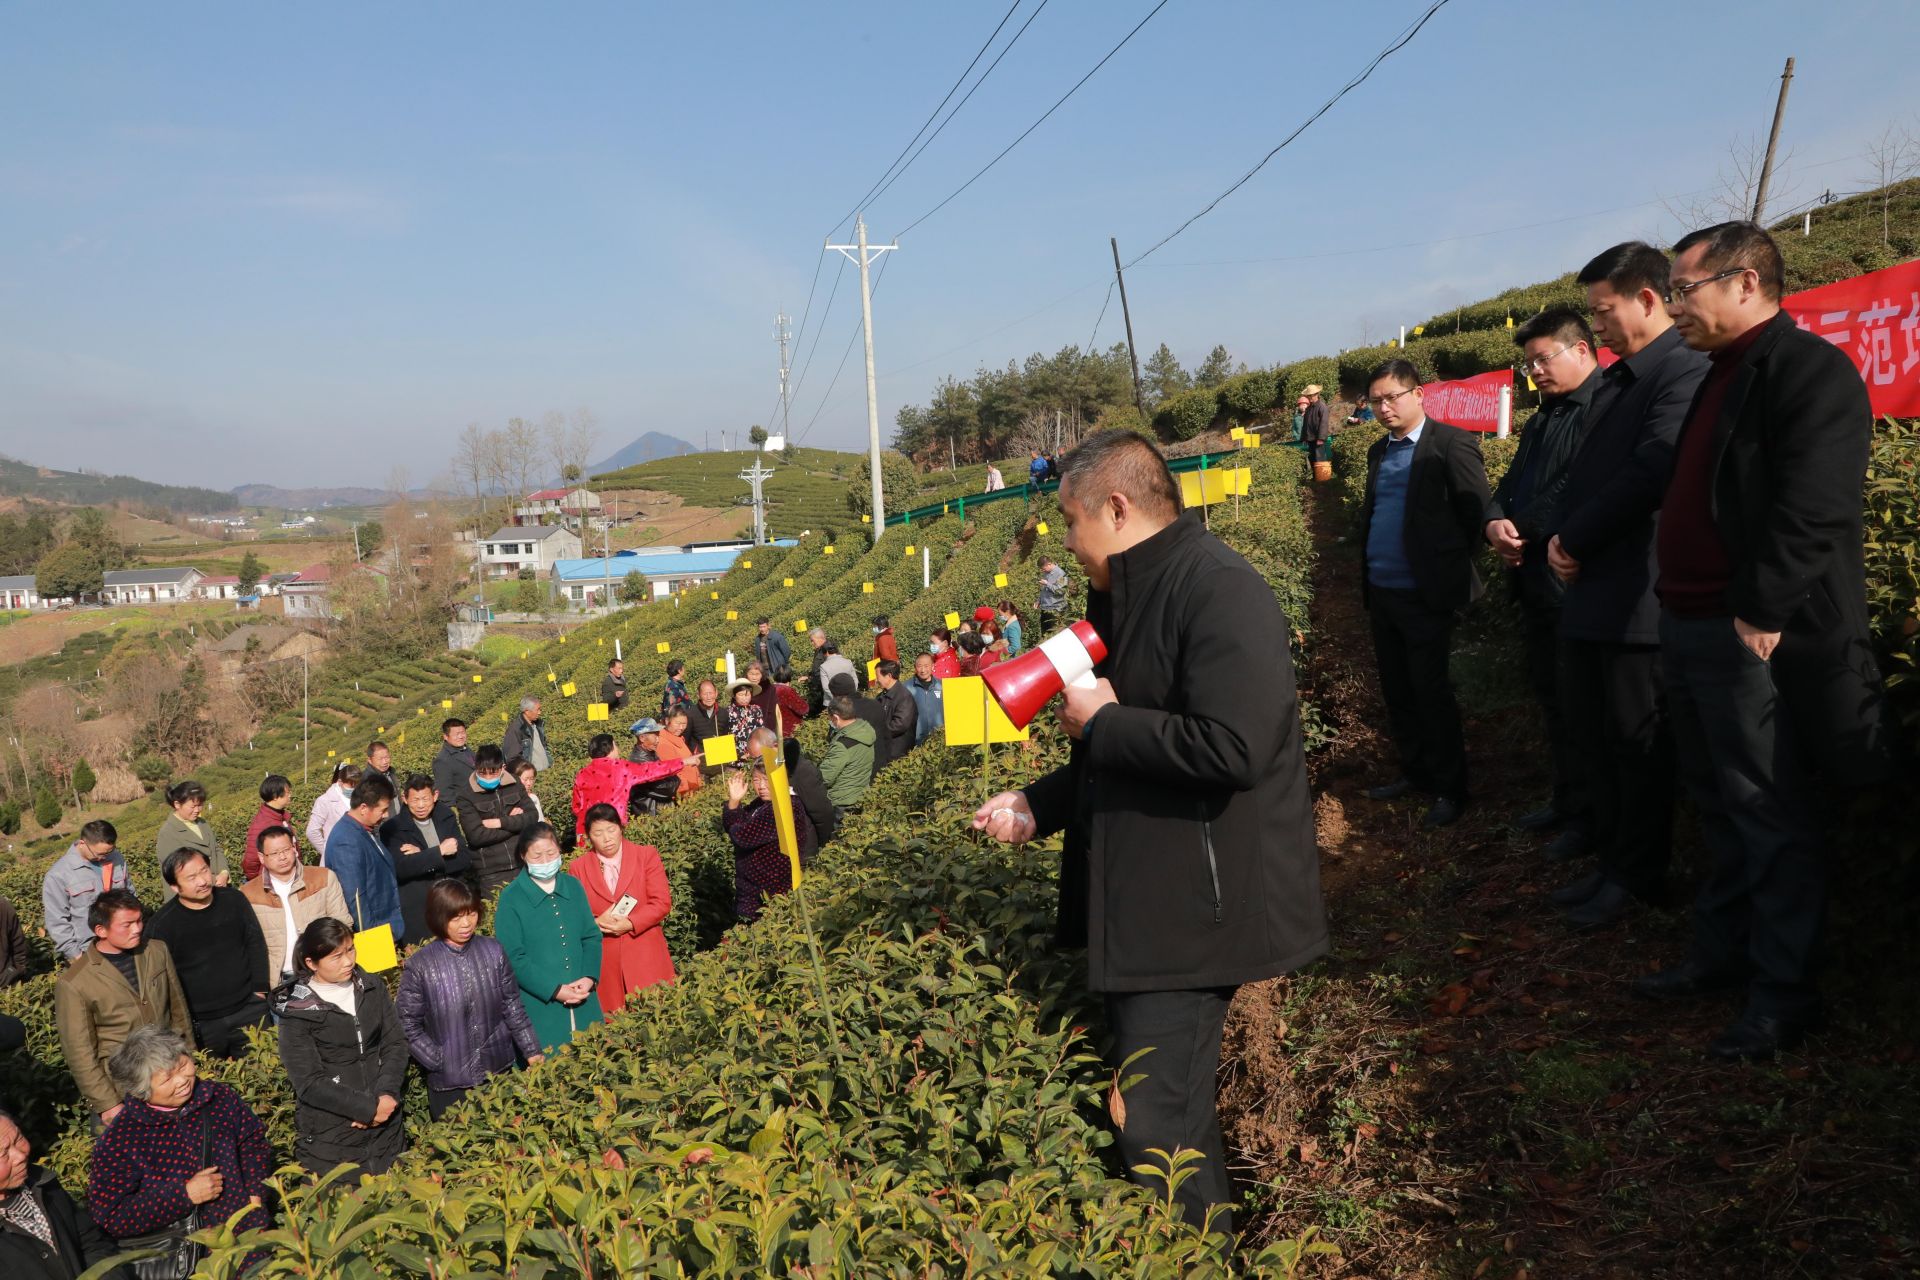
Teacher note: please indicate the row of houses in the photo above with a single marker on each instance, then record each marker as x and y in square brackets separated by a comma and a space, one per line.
[175, 585]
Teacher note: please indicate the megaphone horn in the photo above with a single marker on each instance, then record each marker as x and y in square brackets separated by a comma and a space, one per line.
[1028, 682]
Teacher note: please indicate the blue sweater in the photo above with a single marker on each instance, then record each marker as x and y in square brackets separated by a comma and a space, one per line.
[366, 874]
[1387, 564]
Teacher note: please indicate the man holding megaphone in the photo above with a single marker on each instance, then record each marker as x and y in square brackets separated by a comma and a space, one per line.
[1189, 865]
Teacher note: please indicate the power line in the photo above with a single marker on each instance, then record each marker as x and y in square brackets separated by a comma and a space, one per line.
[1098, 319]
[1325, 107]
[889, 174]
[826, 311]
[841, 367]
[981, 172]
[963, 102]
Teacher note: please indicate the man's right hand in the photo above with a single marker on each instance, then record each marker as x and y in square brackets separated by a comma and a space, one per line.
[1564, 566]
[1006, 818]
[1506, 540]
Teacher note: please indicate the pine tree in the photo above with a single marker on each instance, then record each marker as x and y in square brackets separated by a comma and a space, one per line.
[46, 807]
[1163, 375]
[83, 780]
[1215, 369]
[251, 571]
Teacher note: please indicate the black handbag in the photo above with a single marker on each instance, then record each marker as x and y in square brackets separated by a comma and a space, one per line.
[176, 1253]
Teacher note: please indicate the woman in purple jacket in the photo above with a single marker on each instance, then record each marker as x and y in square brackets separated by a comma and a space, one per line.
[459, 1004]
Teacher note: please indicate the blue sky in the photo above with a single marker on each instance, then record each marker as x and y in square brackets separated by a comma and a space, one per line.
[301, 244]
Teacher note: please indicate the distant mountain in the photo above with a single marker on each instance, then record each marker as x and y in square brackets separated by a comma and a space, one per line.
[272, 495]
[648, 447]
[92, 488]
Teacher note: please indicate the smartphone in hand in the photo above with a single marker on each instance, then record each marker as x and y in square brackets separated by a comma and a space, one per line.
[625, 906]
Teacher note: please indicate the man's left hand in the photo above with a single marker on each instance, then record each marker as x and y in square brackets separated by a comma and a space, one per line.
[1081, 704]
[1762, 643]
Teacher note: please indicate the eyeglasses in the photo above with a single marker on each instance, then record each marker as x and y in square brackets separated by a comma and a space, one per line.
[1679, 292]
[1381, 402]
[1539, 363]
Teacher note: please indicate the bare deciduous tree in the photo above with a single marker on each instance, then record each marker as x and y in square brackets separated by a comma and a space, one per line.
[1891, 158]
[1729, 198]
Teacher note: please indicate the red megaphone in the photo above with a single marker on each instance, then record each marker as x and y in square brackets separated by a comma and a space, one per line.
[1028, 682]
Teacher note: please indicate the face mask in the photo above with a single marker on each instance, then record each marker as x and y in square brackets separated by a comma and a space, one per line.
[936, 647]
[489, 784]
[544, 870]
[876, 631]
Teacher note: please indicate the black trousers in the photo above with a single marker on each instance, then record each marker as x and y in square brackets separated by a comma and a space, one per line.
[1411, 644]
[1570, 768]
[226, 1036]
[1171, 1105]
[1617, 709]
[1762, 906]
[440, 1101]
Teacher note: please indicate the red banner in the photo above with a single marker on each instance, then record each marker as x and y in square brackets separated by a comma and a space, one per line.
[1875, 319]
[1473, 403]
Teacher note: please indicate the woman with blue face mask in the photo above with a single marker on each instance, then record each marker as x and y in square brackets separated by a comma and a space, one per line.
[494, 811]
[546, 925]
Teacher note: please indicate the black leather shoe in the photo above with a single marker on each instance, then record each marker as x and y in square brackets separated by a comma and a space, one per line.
[1575, 892]
[1443, 813]
[1545, 818]
[1604, 906]
[1572, 843]
[1390, 790]
[1684, 981]
[1757, 1037]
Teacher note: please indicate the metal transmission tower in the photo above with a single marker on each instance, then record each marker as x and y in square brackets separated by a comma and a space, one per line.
[862, 255]
[783, 335]
[757, 475]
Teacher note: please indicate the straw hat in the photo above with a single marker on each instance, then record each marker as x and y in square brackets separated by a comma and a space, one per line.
[1311, 389]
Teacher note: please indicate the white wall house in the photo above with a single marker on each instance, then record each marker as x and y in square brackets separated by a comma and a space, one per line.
[536, 547]
[18, 592]
[557, 505]
[150, 586]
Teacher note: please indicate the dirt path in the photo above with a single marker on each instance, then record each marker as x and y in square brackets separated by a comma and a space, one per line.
[1466, 1088]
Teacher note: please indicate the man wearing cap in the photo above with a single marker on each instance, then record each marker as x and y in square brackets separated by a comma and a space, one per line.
[648, 797]
[1189, 865]
[1313, 421]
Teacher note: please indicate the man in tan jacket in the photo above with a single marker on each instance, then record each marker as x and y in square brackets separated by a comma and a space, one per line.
[120, 982]
[288, 897]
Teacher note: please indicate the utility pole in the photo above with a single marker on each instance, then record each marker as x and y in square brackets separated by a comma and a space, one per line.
[866, 255]
[757, 475]
[1773, 142]
[783, 335]
[1126, 314]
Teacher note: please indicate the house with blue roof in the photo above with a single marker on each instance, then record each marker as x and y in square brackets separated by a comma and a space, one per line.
[667, 570]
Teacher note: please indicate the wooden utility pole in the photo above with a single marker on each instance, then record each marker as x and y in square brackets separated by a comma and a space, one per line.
[1132, 356]
[1773, 142]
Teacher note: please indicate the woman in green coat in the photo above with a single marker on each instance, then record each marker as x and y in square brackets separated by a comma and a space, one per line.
[543, 920]
[184, 829]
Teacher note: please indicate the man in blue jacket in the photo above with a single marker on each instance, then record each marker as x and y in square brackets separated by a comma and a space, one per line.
[365, 868]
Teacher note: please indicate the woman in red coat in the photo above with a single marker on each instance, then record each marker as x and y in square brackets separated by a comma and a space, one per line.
[634, 954]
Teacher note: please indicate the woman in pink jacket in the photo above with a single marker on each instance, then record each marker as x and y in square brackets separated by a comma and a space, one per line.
[634, 952]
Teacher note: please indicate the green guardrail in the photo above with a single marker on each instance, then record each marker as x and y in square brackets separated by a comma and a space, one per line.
[1027, 489]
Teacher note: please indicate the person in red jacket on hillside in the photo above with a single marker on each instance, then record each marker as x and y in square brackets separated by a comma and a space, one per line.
[276, 798]
[607, 779]
[634, 952]
[946, 663]
[884, 646]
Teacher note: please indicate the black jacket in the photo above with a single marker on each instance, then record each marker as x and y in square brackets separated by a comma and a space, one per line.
[1190, 858]
[452, 766]
[613, 691]
[902, 717]
[803, 775]
[1446, 504]
[418, 871]
[1610, 507]
[77, 1243]
[1789, 462]
[701, 725]
[493, 847]
[517, 741]
[876, 715]
[339, 1065]
[13, 946]
[1541, 463]
[1313, 423]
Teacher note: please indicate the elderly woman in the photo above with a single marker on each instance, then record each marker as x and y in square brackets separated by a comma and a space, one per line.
[673, 745]
[344, 1054]
[183, 1153]
[618, 873]
[185, 829]
[706, 717]
[743, 717]
[459, 1004]
[521, 770]
[44, 1235]
[551, 939]
[760, 869]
